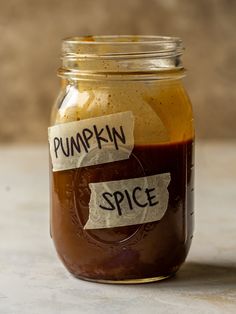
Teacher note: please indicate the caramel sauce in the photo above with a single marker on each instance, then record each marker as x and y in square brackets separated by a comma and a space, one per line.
[132, 252]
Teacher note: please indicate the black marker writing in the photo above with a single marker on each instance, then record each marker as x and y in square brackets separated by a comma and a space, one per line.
[81, 141]
[119, 200]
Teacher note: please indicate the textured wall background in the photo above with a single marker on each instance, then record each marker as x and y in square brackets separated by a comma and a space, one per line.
[31, 33]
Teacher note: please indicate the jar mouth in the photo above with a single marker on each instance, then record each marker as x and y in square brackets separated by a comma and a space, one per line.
[112, 56]
[118, 45]
[130, 39]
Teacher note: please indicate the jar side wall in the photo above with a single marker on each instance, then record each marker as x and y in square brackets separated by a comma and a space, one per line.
[163, 144]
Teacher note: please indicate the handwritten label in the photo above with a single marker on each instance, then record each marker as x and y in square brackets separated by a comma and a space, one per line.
[91, 141]
[128, 202]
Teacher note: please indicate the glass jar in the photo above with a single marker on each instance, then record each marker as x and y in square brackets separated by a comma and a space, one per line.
[121, 144]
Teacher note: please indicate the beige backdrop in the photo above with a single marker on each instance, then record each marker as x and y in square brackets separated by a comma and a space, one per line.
[31, 32]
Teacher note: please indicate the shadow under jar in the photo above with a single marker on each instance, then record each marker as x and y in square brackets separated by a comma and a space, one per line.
[121, 144]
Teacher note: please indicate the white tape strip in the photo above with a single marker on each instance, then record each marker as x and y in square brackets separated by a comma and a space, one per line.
[91, 141]
[128, 202]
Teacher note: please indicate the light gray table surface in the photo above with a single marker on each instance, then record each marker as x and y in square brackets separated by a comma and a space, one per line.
[33, 280]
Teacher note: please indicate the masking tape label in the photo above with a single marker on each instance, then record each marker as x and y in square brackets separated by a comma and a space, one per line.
[128, 202]
[91, 141]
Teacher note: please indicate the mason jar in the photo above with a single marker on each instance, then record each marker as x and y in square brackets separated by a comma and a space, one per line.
[121, 159]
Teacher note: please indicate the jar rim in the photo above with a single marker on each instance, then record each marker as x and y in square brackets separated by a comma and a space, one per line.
[115, 55]
[122, 39]
[111, 45]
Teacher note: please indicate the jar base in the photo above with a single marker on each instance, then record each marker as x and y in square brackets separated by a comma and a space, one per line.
[127, 281]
